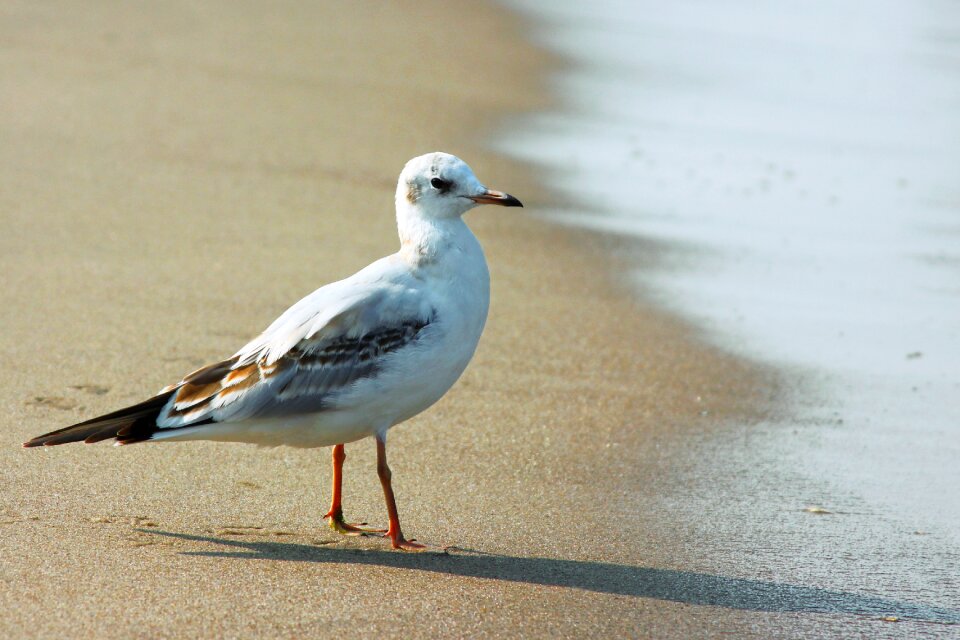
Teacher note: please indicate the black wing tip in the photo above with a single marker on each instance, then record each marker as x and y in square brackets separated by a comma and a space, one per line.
[135, 423]
[52, 441]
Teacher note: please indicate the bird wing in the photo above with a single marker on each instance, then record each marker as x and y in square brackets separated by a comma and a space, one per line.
[319, 348]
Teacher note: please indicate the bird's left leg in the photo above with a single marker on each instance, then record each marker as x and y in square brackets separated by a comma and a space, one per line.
[396, 536]
[336, 509]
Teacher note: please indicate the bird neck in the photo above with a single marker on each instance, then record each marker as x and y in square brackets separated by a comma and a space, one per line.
[423, 240]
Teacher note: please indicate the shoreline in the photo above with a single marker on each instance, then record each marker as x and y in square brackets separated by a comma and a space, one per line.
[846, 470]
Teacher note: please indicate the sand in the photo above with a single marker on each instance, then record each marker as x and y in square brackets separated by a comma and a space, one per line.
[174, 177]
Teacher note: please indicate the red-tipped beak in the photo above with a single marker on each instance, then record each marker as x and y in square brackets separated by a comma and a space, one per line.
[496, 197]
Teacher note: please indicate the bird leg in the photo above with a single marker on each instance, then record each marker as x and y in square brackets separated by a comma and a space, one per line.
[336, 510]
[393, 532]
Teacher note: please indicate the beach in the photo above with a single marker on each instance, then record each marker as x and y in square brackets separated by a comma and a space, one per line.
[175, 177]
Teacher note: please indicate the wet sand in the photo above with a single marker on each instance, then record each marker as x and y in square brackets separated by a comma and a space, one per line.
[175, 176]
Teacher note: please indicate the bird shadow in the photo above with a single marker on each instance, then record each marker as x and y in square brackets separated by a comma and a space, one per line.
[687, 587]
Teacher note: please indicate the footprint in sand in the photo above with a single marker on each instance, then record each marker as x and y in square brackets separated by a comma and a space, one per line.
[241, 530]
[141, 539]
[53, 402]
[67, 404]
[95, 389]
[133, 521]
[10, 516]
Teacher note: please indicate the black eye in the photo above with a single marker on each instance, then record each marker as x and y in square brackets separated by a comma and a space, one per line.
[439, 185]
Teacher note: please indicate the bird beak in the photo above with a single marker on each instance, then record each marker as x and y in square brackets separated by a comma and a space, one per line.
[496, 197]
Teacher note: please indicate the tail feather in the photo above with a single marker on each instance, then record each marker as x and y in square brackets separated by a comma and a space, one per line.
[130, 424]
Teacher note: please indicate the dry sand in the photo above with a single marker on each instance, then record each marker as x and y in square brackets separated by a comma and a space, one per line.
[174, 175]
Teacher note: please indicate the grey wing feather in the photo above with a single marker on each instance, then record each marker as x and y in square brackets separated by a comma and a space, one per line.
[307, 378]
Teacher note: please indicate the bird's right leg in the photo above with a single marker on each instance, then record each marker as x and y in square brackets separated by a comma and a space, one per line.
[336, 509]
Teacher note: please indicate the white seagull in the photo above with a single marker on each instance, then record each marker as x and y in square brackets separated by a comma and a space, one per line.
[350, 360]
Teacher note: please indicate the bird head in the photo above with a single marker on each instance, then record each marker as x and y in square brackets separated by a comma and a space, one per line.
[439, 185]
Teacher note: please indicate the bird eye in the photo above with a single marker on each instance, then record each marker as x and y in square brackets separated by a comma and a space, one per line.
[439, 185]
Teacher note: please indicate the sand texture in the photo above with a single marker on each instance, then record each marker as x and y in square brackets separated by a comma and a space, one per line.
[175, 175]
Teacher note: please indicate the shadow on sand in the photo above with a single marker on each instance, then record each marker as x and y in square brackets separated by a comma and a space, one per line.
[641, 582]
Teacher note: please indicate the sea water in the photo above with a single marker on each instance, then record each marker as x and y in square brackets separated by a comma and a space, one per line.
[802, 162]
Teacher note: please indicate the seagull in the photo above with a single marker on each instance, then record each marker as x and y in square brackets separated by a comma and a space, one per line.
[352, 359]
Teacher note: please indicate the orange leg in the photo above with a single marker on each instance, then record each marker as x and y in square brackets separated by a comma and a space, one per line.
[336, 510]
[393, 532]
